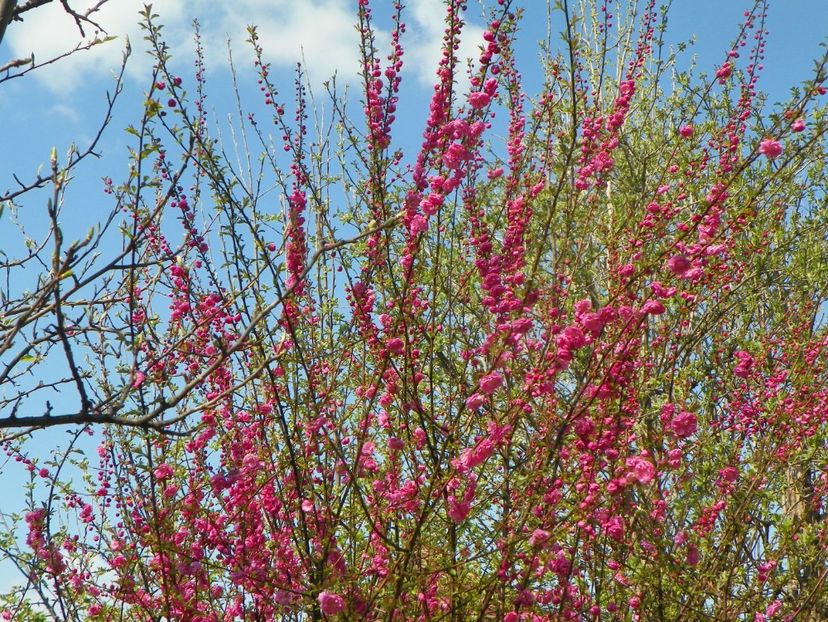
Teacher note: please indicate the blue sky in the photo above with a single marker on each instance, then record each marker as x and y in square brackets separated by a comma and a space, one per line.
[62, 105]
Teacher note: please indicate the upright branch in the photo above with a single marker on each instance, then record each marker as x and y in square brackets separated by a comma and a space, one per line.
[565, 359]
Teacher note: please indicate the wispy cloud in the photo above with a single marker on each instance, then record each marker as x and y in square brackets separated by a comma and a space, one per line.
[320, 33]
[49, 31]
[426, 41]
[67, 112]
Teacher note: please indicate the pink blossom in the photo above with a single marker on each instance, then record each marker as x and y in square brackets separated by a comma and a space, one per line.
[395, 345]
[653, 307]
[560, 564]
[692, 558]
[330, 603]
[584, 427]
[661, 291]
[139, 379]
[745, 364]
[615, 528]
[458, 510]
[798, 125]
[641, 468]
[770, 148]
[582, 306]
[723, 72]
[594, 322]
[679, 264]
[491, 382]
[455, 155]
[417, 225]
[674, 458]
[686, 131]
[729, 474]
[479, 99]
[571, 338]
[473, 456]
[163, 471]
[431, 203]
[684, 424]
[475, 401]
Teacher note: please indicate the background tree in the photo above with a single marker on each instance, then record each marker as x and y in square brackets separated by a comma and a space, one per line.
[577, 373]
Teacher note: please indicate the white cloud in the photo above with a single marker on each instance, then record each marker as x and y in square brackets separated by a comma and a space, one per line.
[67, 112]
[48, 31]
[319, 32]
[426, 41]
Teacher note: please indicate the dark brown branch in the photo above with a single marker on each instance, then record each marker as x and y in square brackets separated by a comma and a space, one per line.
[107, 412]
[7, 12]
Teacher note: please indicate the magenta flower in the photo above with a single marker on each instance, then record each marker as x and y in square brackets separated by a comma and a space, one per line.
[491, 383]
[479, 99]
[455, 156]
[164, 471]
[417, 225]
[653, 307]
[330, 603]
[729, 474]
[614, 528]
[684, 424]
[770, 148]
[432, 203]
[679, 264]
[745, 364]
[571, 338]
[395, 345]
[692, 555]
[723, 72]
[798, 125]
[474, 401]
[641, 469]
[686, 131]
[139, 379]
[458, 510]
[539, 536]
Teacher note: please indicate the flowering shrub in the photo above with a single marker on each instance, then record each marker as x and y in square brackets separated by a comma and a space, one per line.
[580, 375]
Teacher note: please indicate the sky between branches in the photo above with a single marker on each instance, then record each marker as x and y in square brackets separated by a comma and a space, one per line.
[61, 104]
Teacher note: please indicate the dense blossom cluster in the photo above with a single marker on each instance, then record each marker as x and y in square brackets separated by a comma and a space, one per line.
[572, 376]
